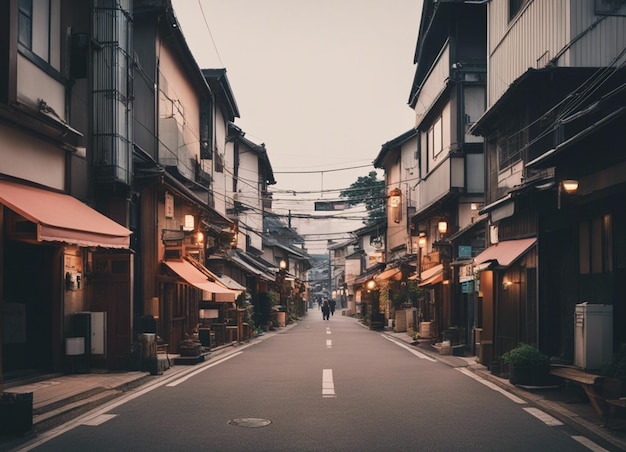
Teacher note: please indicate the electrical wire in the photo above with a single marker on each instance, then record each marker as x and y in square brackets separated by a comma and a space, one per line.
[206, 23]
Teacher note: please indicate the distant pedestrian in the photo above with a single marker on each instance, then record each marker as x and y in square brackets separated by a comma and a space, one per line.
[325, 310]
[332, 304]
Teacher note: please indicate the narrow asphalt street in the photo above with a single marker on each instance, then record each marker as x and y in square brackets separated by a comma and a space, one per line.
[321, 385]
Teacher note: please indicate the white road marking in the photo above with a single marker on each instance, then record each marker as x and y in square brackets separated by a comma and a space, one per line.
[490, 385]
[329, 343]
[406, 347]
[101, 419]
[328, 330]
[589, 444]
[188, 376]
[543, 417]
[328, 386]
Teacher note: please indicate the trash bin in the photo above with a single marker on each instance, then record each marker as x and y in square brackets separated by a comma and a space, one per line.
[148, 353]
[16, 413]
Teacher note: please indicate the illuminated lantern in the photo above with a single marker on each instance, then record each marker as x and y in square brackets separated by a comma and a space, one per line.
[395, 205]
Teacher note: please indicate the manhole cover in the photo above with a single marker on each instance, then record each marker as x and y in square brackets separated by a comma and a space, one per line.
[250, 422]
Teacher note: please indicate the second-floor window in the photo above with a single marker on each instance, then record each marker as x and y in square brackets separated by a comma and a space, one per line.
[435, 138]
[38, 31]
[595, 246]
[511, 140]
[515, 6]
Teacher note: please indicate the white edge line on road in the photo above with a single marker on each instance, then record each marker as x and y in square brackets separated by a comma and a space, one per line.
[95, 421]
[589, 444]
[543, 417]
[406, 347]
[202, 369]
[490, 385]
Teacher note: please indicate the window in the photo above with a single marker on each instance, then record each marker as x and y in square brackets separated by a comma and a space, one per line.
[595, 246]
[39, 34]
[610, 7]
[435, 138]
[515, 6]
[206, 129]
[25, 23]
[510, 141]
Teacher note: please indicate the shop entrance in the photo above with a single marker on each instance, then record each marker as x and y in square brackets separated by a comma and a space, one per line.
[27, 309]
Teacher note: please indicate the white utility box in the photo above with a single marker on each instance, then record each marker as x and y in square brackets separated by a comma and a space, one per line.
[593, 335]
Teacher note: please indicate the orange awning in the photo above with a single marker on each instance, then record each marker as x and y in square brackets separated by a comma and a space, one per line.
[389, 274]
[198, 279]
[431, 276]
[503, 254]
[62, 218]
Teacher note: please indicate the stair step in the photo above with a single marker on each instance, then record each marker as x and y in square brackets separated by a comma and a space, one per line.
[68, 411]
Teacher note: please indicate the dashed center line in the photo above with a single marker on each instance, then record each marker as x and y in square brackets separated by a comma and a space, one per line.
[328, 386]
[328, 330]
[329, 343]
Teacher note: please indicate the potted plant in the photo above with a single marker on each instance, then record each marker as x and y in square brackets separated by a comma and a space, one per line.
[527, 365]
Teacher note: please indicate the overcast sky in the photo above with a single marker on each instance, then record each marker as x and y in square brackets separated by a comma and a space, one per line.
[323, 83]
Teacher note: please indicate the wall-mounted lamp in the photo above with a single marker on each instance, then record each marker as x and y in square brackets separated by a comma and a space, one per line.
[570, 186]
[200, 237]
[283, 264]
[442, 227]
[371, 285]
[421, 240]
[475, 206]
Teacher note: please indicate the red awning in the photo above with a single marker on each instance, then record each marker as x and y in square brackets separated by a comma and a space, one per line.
[198, 279]
[62, 218]
[505, 253]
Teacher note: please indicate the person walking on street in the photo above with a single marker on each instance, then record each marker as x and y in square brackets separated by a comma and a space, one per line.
[325, 310]
[333, 303]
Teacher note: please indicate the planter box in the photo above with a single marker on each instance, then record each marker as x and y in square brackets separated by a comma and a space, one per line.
[529, 375]
[16, 413]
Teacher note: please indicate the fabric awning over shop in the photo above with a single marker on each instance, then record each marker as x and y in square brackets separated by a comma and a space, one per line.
[231, 283]
[431, 276]
[392, 273]
[62, 218]
[198, 279]
[370, 273]
[503, 254]
[250, 268]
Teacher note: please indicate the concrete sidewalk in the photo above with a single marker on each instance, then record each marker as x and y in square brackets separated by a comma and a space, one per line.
[61, 398]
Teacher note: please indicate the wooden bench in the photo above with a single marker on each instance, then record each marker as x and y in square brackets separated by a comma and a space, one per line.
[592, 384]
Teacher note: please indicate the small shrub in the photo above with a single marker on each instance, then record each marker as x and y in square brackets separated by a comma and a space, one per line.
[525, 355]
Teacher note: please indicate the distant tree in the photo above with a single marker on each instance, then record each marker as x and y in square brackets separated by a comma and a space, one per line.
[370, 191]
